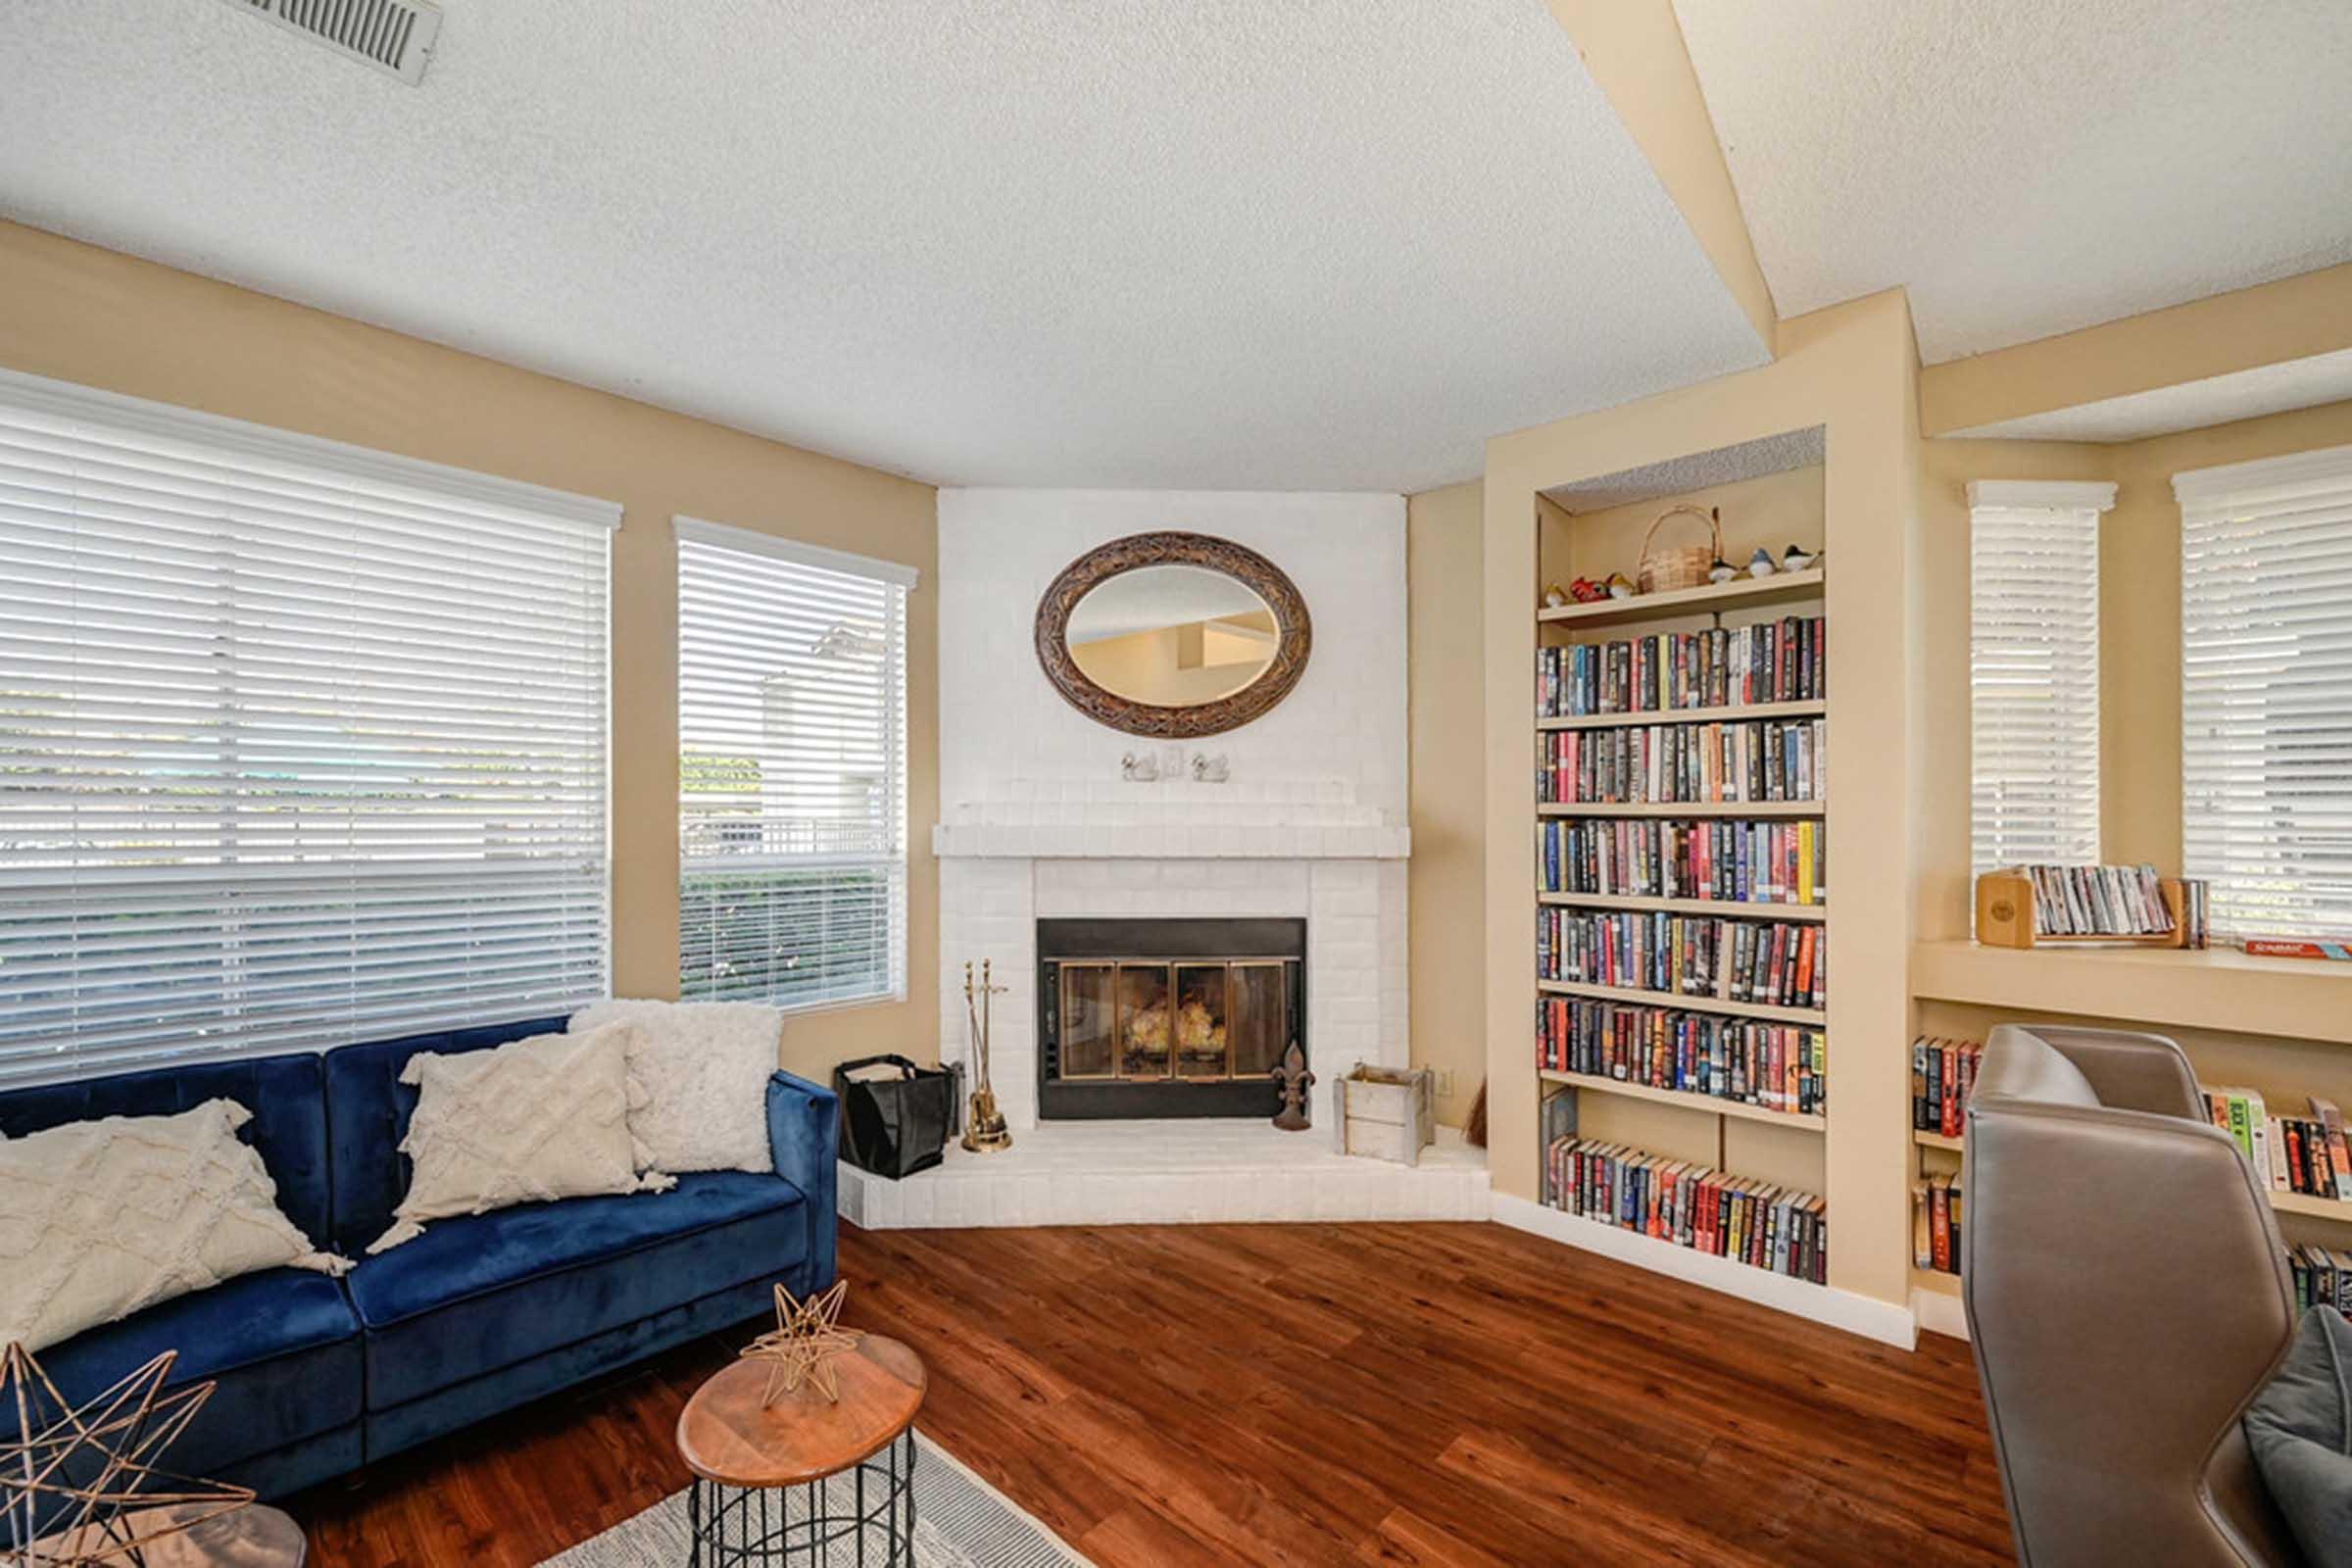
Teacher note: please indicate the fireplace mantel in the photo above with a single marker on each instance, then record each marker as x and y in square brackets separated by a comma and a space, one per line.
[1098, 821]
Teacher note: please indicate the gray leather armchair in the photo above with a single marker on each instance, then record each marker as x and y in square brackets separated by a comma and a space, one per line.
[2127, 1296]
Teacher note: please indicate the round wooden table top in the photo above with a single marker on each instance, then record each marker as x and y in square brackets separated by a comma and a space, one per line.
[725, 1434]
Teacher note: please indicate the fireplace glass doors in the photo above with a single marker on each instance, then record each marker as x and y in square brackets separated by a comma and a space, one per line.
[1184, 1034]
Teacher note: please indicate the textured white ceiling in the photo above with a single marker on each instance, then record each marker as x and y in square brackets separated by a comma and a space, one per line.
[2191, 405]
[1696, 471]
[2029, 166]
[1315, 245]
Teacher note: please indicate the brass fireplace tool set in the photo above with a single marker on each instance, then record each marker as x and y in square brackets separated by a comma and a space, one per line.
[984, 1129]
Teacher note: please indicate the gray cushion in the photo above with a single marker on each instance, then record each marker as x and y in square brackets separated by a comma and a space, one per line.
[2300, 1429]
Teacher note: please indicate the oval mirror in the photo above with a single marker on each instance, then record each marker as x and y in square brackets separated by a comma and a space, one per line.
[1172, 634]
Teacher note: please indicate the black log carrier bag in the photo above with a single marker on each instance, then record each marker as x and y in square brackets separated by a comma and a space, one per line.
[894, 1126]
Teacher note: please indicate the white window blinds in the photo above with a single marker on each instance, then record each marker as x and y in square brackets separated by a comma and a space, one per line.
[299, 744]
[2033, 671]
[792, 750]
[2266, 692]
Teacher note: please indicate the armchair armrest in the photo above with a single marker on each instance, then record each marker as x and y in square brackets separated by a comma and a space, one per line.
[803, 1134]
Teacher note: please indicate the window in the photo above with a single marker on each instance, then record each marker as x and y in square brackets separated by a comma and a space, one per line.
[792, 754]
[299, 744]
[2266, 692]
[2033, 671]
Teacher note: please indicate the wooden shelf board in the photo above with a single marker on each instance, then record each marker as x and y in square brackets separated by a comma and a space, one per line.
[1730, 908]
[2334, 1208]
[1688, 1102]
[1738, 594]
[1927, 1140]
[1734, 713]
[1756, 809]
[1692, 1004]
[2220, 988]
[1927, 1279]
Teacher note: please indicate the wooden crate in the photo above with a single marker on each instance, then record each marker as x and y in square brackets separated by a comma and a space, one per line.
[2005, 917]
[1388, 1112]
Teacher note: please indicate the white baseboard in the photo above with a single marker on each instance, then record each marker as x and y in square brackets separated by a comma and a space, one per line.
[1873, 1319]
[1939, 1314]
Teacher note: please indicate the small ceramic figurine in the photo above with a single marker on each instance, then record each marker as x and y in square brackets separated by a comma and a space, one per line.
[1554, 596]
[1586, 591]
[1722, 571]
[1759, 564]
[1795, 559]
[1620, 585]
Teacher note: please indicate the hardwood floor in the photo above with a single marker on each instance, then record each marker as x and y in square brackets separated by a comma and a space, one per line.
[1410, 1394]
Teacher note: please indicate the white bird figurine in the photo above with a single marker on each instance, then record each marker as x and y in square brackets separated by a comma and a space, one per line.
[1722, 571]
[1760, 564]
[1796, 559]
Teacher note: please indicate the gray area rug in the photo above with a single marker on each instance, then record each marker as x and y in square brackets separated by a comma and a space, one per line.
[960, 1521]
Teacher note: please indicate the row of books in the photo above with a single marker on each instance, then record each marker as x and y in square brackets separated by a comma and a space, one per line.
[1772, 661]
[1779, 1229]
[1719, 858]
[2323, 1276]
[2097, 900]
[1780, 962]
[1755, 760]
[1936, 1224]
[2289, 1154]
[1775, 1065]
[1943, 1072]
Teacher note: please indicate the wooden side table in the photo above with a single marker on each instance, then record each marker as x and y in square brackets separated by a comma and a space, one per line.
[759, 1494]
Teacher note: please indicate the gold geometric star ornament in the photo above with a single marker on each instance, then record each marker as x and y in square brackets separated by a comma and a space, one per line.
[78, 1487]
[800, 1347]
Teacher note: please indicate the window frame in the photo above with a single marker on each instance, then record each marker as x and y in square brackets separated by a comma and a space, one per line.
[898, 581]
[2081, 502]
[297, 473]
[2211, 500]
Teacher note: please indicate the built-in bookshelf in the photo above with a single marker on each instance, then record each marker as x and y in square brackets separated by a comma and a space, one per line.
[1727, 1099]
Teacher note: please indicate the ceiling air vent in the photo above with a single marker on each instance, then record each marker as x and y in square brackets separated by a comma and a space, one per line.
[394, 36]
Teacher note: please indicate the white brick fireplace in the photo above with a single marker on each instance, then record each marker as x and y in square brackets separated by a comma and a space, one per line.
[1040, 824]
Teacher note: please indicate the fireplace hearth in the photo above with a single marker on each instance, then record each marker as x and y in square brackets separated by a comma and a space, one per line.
[1166, 1017]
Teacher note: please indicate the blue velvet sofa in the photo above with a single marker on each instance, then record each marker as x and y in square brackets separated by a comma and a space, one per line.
[318, 1376]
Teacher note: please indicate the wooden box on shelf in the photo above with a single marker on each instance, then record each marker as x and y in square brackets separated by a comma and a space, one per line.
[1388, 1112]
[2005, 917]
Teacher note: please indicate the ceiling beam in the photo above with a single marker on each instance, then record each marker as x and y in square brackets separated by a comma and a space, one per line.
[2245, 329]
[1634, 49]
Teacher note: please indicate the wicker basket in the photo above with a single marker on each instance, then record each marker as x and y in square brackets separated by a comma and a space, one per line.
[1680, 565]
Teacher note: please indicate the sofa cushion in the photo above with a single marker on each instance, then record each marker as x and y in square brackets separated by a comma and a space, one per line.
[483, 1292]
[368, 1109]
[2300, 1429]
[282, 1345]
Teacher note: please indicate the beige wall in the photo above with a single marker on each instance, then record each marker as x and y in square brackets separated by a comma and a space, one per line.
[88, 316]
[1446, 725]
[1854, 370]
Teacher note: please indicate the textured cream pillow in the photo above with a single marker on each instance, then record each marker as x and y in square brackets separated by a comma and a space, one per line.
[704, 1067]
[529, 1121]
[101, 1218]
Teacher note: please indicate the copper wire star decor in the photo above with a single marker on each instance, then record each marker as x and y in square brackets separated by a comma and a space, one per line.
[800, 1347]
[78, 1485]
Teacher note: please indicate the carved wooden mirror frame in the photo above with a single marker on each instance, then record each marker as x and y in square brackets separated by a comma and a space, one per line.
[1294, 634]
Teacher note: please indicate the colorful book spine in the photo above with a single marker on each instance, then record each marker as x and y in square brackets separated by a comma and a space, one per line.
[1772, 962]
[1779, 1229]
[1771, 662]
[1781, 1067]
[1698, 763]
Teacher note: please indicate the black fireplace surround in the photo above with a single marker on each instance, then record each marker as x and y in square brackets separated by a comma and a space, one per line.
[1177, 1018]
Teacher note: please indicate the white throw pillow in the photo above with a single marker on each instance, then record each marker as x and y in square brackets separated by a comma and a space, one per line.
[704, 1067]
[526, 1122]
[101, 1218]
